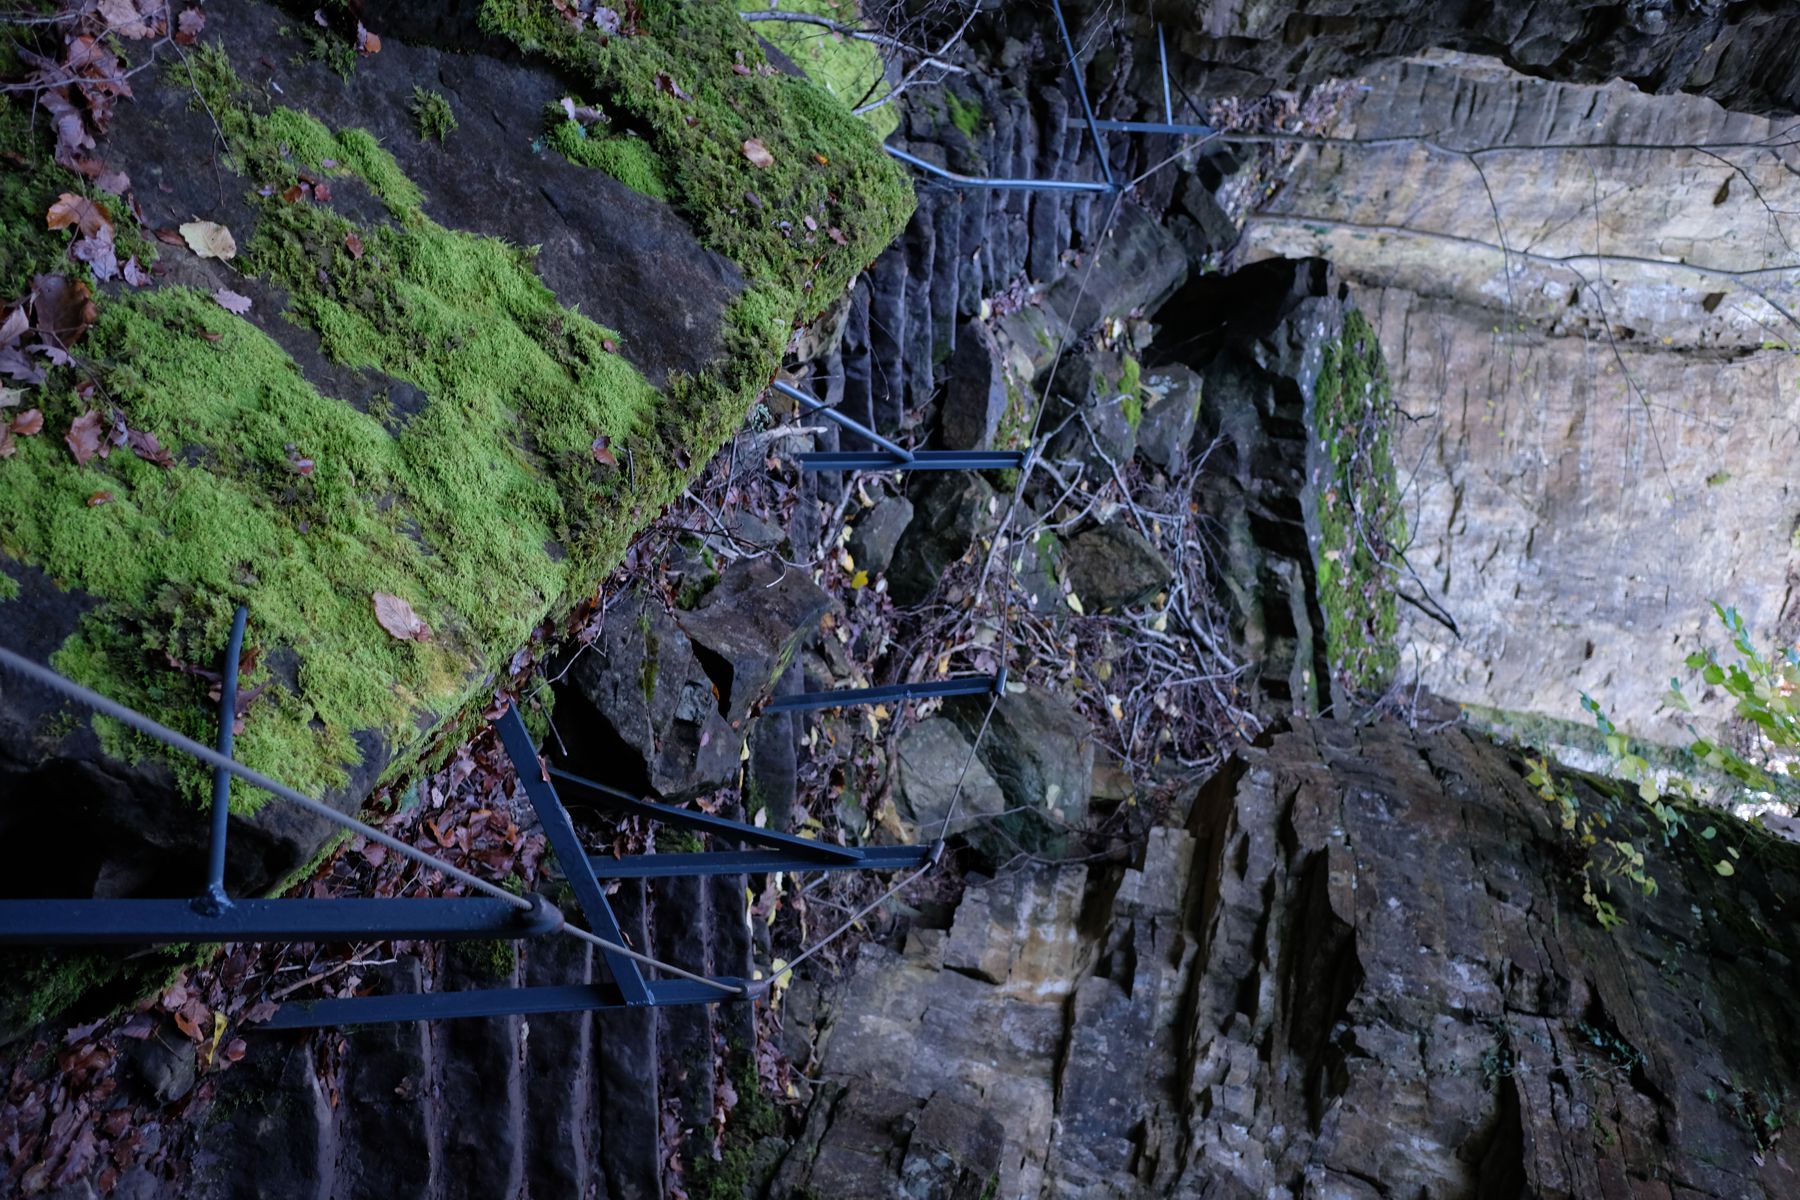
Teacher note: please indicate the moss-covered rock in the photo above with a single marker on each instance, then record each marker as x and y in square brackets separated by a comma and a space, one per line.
[436, 336]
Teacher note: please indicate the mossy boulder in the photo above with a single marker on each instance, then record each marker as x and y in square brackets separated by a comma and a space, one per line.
[438, 331]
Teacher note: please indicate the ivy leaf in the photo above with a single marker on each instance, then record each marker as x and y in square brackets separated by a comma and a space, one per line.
[209, 239]
[758, 154]
[398, 618]
[232, 302]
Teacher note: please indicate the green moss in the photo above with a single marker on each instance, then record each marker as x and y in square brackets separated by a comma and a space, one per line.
[493, 959]
[729, 1176]
[849, 69]
[1360, 523]
[1131, 392]
[627, 159]
[9, 587]
[670, 840]
[431, 115]
[964, 114]
[828, 167]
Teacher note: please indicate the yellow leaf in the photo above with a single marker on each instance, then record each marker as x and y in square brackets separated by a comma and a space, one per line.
[209, 239]
[1075, 603]
[860, 579]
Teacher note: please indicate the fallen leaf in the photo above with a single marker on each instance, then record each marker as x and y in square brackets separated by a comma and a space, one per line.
[10, 396]
[666, 82]
[85, 438]
[15, 326]
[209, 239]
[207, 335]
[367, 42]
[232, 302]
[7, 447]
[741, 69]
[134, 274]
[398, 618]
[123, 18]
[168, 237]
[259, 1012]
[64, 308]
[235, 1049]
[302, 466]
[292, 194]
[608, 345]
[602, 452]
[191, 1018]
[99, 253]
[354, 245]
[146, 447]
[29, 423]
[322, 192]
[78, 211]
[837, 235]
[189, 25]
[99, 498]
[116, 182]
[757, 153]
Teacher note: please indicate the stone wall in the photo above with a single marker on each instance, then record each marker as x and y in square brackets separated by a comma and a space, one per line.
[1597, 447]
[1361, 968]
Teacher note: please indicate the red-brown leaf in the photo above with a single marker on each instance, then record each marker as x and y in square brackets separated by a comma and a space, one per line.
[322, 192]
[29, 423]
[666, 83]
[99, 498]
[259, 1012]
[758, 154]
[64, 309]
[235, 1049]
[86, 437]
[7, 446]
[398, 618]
[134, 274]
[603, 453]
[354, 245]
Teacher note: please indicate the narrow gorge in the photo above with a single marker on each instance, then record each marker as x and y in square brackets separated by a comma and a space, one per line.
[1330, 773]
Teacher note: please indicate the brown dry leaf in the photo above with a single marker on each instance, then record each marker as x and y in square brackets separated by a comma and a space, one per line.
[209, 239]
[398, 618]
[123, 18]
[259, 1012]
[146, 447]
[367, 42]
[603, 453]
[7, 446]
[292, 194]
[86, 437]
[99, 498]
[666, 83]
[235, 1049]
[29, 423]
[134, 274]
[758, 154]
[64, 309]
[354, 245]
[837, 235]
[322, 192]
[78, 211]
[232, 302]
[189, 25]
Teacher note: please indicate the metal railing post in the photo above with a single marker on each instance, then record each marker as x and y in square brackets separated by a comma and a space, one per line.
[214, 901]
[832, 414]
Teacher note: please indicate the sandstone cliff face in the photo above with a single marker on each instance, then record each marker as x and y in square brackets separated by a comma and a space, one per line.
[1598, 444]
[1361, 969]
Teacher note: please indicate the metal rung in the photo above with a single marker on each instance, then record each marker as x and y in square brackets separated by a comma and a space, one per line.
[1172, 127]
[923, 460]
[487, 1002]
[702, 822]
[818, 406]
[752, 862]
[103, 922]
[972, 685]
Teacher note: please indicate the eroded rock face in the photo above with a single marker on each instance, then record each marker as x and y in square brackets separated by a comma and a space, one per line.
[1602, 446]
[1363, 968]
